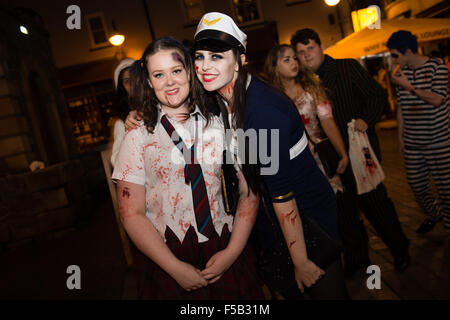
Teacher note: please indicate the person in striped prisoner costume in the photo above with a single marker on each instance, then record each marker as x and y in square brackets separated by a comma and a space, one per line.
[424, 125]
[355, 95]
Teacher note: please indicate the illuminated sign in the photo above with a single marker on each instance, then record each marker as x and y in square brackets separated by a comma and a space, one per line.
[369, 17]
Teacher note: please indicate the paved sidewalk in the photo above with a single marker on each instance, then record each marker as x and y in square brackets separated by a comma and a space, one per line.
[39, 270]
[428, 277]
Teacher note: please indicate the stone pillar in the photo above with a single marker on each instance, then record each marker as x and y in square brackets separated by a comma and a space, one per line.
[34, 119]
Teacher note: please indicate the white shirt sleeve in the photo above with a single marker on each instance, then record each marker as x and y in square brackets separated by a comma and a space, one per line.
[129, 165]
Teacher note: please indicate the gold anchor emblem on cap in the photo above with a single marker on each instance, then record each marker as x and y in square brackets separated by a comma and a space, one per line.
[211, 22]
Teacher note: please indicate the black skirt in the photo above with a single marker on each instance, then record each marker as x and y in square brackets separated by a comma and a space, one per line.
[240, 281]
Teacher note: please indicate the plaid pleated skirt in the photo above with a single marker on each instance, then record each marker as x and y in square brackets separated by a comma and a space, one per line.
[240, 281]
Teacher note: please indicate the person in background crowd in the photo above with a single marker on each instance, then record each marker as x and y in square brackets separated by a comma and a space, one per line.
[356, 95]
[304, 88]
[423, 125]
[169, 189]
[120, 106]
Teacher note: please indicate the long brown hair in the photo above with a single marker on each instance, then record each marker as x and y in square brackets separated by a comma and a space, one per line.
[143, 98]
[308, 80]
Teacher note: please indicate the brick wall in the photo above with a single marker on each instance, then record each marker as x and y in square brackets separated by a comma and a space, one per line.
[46, 203]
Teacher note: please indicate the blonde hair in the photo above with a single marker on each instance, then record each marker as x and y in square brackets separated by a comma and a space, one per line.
[308, 80]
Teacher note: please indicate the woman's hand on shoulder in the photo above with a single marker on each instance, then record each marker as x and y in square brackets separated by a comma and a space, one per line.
[132, 120]
[307, 273]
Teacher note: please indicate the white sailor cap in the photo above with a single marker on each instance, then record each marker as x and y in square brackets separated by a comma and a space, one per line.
[125, 63]
[217, 32]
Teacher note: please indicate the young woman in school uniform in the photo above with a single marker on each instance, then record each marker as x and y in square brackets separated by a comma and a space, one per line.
[170, 203]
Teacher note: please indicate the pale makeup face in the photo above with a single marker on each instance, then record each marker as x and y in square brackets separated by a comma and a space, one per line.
[168, 78]
[216, 70]
[310, 55]
[287, 64]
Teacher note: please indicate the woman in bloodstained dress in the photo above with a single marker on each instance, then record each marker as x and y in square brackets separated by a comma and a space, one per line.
[169, 189]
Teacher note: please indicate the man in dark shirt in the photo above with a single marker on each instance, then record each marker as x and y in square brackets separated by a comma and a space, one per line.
[355, 95]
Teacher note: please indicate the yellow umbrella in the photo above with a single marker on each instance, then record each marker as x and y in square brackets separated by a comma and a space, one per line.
[372, 41]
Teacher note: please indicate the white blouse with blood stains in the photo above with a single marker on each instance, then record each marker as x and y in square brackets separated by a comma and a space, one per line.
[152, 160]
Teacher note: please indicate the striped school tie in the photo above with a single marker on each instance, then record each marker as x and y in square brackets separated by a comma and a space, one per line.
[193, 174]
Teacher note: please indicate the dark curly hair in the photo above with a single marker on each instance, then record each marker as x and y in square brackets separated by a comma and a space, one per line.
[304, 36]
[143, 98]
[401, 41]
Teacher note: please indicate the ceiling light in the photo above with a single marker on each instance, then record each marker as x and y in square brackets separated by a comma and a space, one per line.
[23, 30]
[116, 39]
[332, 3]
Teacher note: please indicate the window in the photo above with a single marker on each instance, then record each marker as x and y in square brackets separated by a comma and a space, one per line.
[90, 111]
[247, 11]
[97, 30]
[193, 10]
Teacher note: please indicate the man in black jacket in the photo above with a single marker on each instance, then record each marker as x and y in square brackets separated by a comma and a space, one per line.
[355, 95]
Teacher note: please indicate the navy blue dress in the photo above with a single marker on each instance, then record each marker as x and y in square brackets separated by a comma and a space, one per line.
[299, 177]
